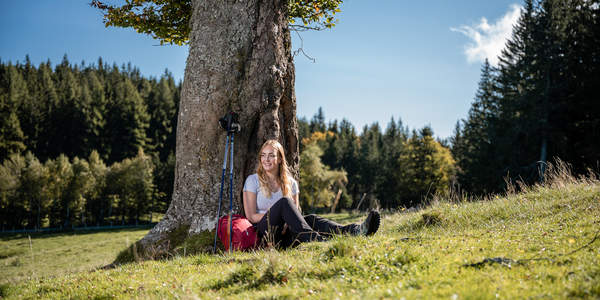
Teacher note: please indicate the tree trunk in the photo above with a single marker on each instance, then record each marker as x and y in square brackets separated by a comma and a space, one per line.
[239, 60]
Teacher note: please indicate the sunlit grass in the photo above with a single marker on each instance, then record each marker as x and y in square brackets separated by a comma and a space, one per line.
[544, 242]
[25, 256]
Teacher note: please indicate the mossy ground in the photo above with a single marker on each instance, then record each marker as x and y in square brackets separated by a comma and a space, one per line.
[546, 236]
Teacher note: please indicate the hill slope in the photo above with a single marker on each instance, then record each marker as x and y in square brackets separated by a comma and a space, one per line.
[542, 243]
[37, 255]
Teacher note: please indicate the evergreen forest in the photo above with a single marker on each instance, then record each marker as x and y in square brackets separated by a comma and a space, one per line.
[539, 104]
[87, 144]
[93, 144]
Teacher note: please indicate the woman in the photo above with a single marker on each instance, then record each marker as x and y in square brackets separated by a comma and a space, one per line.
[271, 204]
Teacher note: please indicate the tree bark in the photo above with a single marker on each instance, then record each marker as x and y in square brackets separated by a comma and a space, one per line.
[239, 60]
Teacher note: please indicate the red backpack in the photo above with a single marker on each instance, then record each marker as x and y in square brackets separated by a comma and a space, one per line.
[244, 234]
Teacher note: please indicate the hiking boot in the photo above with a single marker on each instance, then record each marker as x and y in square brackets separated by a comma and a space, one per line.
[371, 224]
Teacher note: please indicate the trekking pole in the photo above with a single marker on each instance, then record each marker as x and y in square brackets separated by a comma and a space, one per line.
[230, 192]
[230, 123]
[221, 193]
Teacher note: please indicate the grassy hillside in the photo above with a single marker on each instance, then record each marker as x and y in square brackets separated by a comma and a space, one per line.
[31, 256]
[540, 243]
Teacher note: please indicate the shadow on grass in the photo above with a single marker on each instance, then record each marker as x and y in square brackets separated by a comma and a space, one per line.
[4, 290]
[249, 277]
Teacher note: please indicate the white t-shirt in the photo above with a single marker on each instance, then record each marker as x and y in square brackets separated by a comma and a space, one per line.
[262, 202]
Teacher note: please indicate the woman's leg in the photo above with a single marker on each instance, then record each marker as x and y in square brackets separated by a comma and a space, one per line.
[283, 212]
[327, 227]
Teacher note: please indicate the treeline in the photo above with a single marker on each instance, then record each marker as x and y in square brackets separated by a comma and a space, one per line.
[541, 102]
[51, 119]
[76, 109]
[91, 144]
[392, 168]
[63, 193]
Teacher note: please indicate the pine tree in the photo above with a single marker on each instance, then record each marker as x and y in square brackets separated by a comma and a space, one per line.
[96, 117]
[67, 126]
[350, 144]
[511, 134]
[541, 105]
[161, 106]
[576, 117]
[394, 141]
[332, 147]
[30, 108]
[532, 84]
[370, 161]
[127, 121]
[479, 171]
[303, 131]
[42, 135]
[12, 90]
[164, 177]
[317, 123]
[11, 136]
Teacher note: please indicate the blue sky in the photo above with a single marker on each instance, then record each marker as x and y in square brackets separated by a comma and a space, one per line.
[418, 61]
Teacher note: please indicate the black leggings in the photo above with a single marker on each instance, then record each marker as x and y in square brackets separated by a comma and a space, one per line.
[300, 228]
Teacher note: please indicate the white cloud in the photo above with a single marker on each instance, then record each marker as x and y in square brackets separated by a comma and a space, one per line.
[487, 40]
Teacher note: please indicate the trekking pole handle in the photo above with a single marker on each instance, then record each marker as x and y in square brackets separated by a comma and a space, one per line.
[230, 122]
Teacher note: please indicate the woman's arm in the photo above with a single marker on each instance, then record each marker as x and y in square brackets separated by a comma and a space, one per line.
[250, 207]
[297, 201]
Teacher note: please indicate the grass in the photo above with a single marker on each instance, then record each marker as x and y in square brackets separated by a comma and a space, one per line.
[57, 254]
[540, 243]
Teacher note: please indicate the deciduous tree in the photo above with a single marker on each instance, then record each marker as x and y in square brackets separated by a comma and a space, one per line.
[239, 60]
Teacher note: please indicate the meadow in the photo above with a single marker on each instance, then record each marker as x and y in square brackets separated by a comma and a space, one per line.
[32, 256]
[540, 242]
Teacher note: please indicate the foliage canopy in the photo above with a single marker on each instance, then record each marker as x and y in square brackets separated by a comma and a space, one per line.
[169, 20]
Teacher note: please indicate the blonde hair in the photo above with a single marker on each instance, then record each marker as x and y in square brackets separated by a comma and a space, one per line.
[284, 174]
